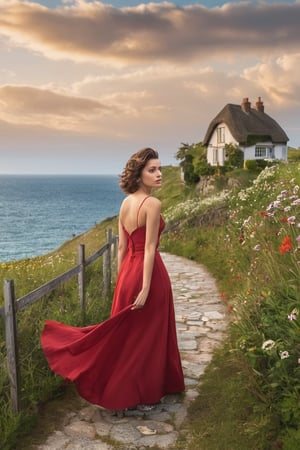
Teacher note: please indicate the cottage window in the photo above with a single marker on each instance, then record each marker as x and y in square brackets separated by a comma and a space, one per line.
[260, 151]
[221, 135]
[215, 156]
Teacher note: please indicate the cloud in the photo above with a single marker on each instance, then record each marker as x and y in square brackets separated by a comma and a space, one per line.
[136, 104]
[151, 32]
[26, 105]
[279, 78]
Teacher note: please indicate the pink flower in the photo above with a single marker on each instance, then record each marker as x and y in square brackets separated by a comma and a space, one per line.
[291, 220]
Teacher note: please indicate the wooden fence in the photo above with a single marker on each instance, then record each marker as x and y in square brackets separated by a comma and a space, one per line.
[13, 305]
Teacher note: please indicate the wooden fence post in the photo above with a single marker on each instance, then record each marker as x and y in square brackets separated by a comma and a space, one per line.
[107, 264]
[115, 246]
[11, 343]
[81, 276]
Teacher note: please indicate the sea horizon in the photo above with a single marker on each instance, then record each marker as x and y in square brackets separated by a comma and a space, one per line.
[39, 212]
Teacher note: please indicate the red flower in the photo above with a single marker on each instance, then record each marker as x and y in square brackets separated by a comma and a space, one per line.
[286, 245]
[284, 219]
[263, 213]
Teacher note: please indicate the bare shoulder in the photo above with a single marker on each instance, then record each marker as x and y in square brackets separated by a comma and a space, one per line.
[153, 203]
[125, 202]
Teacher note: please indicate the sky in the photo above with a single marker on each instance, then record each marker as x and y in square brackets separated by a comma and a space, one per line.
[85, 84]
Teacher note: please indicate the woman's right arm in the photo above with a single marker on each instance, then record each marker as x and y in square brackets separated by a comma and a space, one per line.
[122, 247]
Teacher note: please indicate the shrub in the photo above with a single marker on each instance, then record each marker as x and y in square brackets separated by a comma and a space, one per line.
[251, 164]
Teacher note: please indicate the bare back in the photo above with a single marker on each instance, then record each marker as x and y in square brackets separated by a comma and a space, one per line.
[132, 213]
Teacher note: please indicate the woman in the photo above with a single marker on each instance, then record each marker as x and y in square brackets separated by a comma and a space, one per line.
[132, 358]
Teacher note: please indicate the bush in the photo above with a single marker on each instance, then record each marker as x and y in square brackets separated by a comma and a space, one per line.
[251, 164]
[234, 157]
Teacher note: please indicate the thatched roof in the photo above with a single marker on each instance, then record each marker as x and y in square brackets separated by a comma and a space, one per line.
[244, 125]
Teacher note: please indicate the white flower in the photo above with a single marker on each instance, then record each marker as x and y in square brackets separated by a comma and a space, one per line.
[268, 345]
[284, 355]
[294, 314]
[257, 247]
[246, 221]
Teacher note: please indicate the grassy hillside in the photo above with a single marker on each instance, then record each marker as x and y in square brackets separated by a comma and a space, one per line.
[247, 238]
[250, 394]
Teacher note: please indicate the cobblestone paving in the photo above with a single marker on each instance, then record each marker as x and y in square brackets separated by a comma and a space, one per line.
[201, 322]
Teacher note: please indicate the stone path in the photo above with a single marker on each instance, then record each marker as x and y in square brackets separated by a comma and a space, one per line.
[201, 322]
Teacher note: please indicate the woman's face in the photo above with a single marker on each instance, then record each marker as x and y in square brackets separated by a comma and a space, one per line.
[151, 174]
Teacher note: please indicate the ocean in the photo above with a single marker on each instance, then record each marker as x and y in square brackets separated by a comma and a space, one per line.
[38, 213]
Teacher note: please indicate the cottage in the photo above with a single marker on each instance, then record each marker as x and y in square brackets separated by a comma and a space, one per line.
[251, 129]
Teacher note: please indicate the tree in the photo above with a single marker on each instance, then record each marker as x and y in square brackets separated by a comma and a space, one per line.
[186, 156]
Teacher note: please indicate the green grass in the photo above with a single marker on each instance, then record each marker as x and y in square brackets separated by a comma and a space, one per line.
[226, 414]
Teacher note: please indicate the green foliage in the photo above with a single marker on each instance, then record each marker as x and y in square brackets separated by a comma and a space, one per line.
[293, 154]
[251, 165]
[192, 161]
[234, 157]
[227, 414]
[202, 167]
[253, 139]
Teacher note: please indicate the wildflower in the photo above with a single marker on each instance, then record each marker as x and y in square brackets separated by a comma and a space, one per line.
[268, 345]
[286, 245]
[291, 220]
[271, 206]
[296, 202]
[257, 247]
[298, 240]
[246, 221]
[296, 190]
[294, 314]
[284, 355]
[287, 208]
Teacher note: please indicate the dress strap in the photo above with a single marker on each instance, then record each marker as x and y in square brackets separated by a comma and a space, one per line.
[141, 204]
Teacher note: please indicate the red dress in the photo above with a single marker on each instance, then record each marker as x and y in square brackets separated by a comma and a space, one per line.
[131, 358]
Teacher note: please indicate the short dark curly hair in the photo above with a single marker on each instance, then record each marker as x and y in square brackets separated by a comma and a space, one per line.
[130, 177]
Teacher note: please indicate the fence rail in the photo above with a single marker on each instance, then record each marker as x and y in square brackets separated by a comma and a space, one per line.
[13, 305]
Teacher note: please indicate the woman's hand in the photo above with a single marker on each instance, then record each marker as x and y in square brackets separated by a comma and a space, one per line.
[140, 300]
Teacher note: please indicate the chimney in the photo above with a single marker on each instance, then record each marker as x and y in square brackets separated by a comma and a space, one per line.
[246, 105]
[260, 105]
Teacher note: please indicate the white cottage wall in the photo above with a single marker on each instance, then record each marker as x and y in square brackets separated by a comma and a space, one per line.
[215, 148]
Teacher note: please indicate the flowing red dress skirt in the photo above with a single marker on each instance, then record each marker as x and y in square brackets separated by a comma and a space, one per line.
[131, 358]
